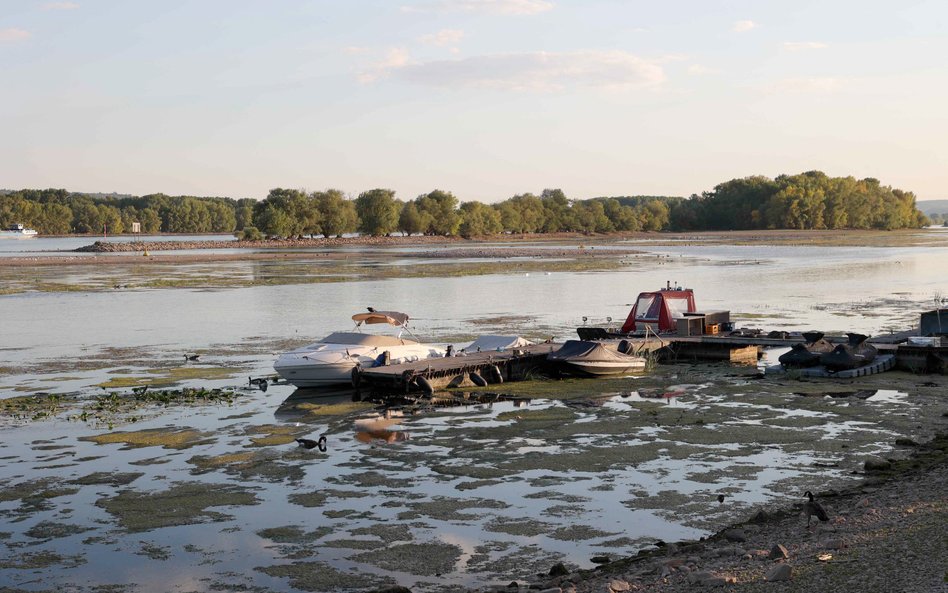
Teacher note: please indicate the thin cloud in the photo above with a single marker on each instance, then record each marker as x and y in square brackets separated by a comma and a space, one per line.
[395, 58]
[536, 71]
[443, 37]
[803, 45]
[513, 7]
[355, 50]
[743, 26]
[13, 35]
[60, 6]
[817, 85]
[700, 70]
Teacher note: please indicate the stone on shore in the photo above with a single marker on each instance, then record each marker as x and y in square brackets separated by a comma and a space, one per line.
[834, 544]
[735, 535]
[559, 570]
[875, 464]
[779, 552]
[780, 572]
[619, 586]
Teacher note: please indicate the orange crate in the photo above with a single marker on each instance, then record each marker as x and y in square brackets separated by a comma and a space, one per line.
[712, 329]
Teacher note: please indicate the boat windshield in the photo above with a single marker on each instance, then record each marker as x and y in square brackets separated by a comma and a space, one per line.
[357, 339]
[647, 307]
[677, 306]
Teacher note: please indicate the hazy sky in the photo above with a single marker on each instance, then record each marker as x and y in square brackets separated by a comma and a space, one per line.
[485, 98]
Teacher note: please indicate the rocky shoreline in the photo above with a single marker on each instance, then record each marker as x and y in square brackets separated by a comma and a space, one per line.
[127, 246]
[888, 534]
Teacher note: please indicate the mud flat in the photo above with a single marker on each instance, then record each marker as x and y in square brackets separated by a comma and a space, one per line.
[884, 534]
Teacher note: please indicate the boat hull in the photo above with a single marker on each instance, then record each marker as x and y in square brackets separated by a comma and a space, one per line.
[599, 369]
[17, 234]
[305, 375]
[327, 365]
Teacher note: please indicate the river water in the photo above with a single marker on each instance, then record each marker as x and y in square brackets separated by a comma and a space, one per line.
[481, 494]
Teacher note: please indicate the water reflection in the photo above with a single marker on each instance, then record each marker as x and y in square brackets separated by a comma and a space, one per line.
[378, 428]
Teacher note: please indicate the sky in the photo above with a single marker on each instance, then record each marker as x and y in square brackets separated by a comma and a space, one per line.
[483, 98]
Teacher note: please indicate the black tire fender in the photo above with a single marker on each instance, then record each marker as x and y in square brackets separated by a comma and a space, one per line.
[424, 385]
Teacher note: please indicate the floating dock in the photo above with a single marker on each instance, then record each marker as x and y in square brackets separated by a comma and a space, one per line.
[881, 364]
[494, 367]
[476, 369]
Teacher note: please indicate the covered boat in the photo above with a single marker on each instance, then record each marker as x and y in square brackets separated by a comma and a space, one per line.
[856, 353]
[593, 359]
[496, 343]
[657, 311]
[660, 310]
[330, 361]
[806, 354]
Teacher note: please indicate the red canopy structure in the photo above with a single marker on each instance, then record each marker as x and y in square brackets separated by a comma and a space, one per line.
[660, 310]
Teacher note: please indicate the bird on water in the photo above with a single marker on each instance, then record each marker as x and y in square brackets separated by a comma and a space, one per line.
[312, 444]
[814, 508]
[192, 356]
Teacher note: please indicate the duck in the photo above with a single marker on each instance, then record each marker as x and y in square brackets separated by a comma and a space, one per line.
[814, 508]
[312, 444]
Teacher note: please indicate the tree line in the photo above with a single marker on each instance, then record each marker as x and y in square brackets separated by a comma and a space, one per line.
[810, 200]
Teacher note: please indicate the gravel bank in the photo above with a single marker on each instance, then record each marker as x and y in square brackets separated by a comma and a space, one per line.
[110, 247]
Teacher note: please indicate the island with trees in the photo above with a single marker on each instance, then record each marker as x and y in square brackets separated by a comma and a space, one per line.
[810, 200]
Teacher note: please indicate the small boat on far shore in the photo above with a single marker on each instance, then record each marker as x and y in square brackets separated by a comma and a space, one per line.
[594, 359]
[17, 231]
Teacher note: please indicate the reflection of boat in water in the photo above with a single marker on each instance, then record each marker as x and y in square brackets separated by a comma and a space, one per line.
[376, 428]
[856, 353]
[300, 403]
[806, 354]
[593, 359]
[17, 231]
[331, 360]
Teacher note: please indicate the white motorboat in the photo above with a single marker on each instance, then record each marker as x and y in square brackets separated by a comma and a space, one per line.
[330, 361]
[17, 231]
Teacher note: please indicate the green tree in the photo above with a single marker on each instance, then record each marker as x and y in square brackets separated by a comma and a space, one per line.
[243, 213]
[338, 213]
[441, 207]
[622, 217]
[411, 221]
[556, 212]
[378, 212]
[86, 218]
[56, 219]
[273, 221]
[300, 211]
[479, 219]
[654, 215]
[531, 214]
[151, 221]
